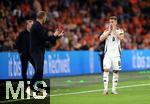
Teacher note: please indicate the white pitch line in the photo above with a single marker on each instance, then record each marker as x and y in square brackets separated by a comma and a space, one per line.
[81, 92]
[89, 91]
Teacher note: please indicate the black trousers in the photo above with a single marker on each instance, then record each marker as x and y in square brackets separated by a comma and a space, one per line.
[38, 59]
[25, 59]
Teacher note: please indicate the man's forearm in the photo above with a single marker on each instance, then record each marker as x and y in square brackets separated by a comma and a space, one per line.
[104, 35]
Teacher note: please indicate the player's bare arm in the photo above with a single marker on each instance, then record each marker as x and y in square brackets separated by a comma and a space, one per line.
[105, 34]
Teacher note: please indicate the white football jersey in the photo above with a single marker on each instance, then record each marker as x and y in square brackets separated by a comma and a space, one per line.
[112, 44]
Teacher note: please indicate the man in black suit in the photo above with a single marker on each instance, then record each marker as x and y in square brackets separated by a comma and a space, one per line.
[23, 47]
[39, 36]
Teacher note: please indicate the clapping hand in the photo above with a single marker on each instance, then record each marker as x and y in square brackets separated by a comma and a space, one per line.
[59, 32]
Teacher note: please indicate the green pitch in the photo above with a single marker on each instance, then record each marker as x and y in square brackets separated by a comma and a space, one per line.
[133, 88]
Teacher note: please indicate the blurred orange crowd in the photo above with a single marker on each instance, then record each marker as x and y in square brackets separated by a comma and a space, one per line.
[83, 20]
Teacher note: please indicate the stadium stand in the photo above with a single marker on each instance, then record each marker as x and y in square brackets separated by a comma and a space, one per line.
[83, 21]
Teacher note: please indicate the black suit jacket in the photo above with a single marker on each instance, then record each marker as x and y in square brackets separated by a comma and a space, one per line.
[39, 36]
[23, 42]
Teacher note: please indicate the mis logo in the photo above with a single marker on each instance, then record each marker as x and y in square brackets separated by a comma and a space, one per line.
[15, 89]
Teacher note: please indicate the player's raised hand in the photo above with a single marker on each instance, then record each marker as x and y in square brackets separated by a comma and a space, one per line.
[109, 27]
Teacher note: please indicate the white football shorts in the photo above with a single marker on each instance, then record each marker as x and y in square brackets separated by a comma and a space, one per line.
[112, 62]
